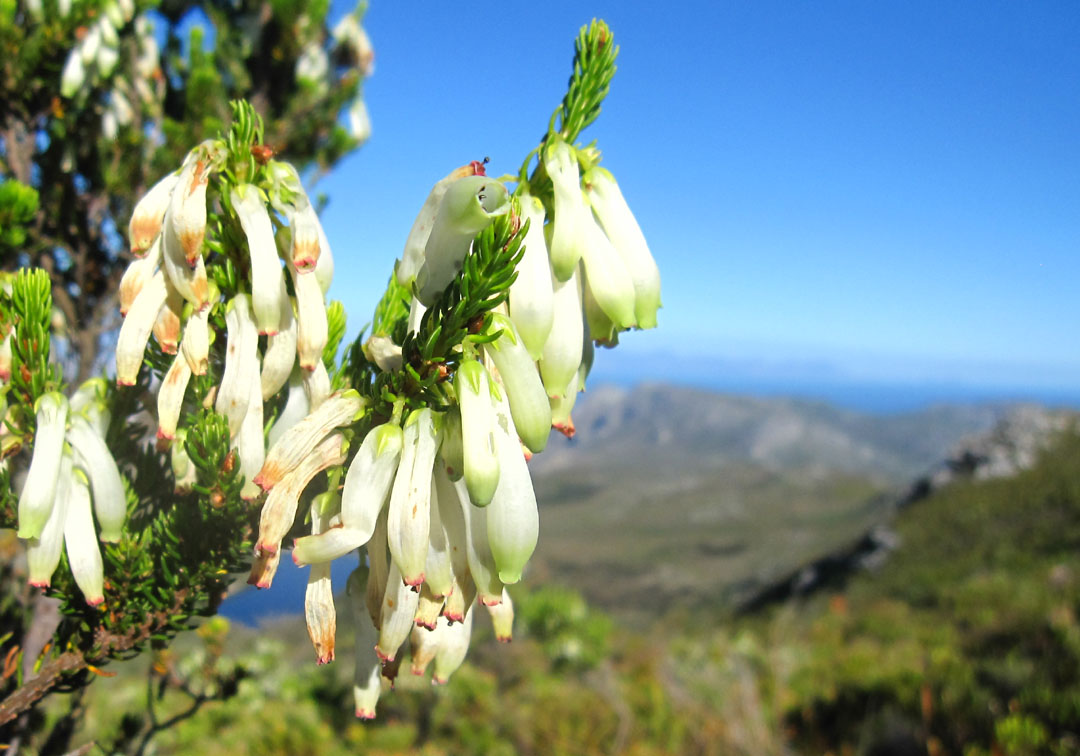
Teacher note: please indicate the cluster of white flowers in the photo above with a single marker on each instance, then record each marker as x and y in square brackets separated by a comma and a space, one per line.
[352, 49]
[96, 54]
[72, 477]
[166, 292]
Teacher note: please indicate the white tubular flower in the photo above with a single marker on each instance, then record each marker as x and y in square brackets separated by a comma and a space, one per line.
[107, 58]
[267, 282]
[183, 469]
[513, 523]
[451, 451]
[597, 323]
[416, 315]
[98, 416]
[83, 553]
[428, 609]
[264, 568]
[296, 408]
[474, 394]
[408, 515]
[195, 343]
[74, 75]
[88, 46]
[311, 325]
[305, 238]
[359, 120]
[568, 232]
[39, 489]
[90, 392]
[137, 274]
[149, 213]
[250, 446]
[379, 563]
[241, 363]
[383, 352]
[367, 682]
[423, 645]
[319, 611]
[170, 397]
[396, 616]
[453, 647]
[562, 352]
[167, 324]
[5, 357]
[363, 495]
[438, 569]
[313, 65]
[502, 618]
[468, 207]
[413, 257]
[91, 454]
[190, 281]
[622, 228]
[293, 445]
[43, 552]
[528, 401]
[477, 549]
[531, 300]
[562, 406]
[317, 384]
[279, 511]
[607, 276]
[279, 358]
[187, 207]
[460, 599]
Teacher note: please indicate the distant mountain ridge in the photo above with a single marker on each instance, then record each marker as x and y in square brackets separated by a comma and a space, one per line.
[683, 426]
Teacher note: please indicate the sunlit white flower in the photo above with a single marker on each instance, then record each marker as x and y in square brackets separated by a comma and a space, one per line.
[482, 566]
[94, 457]
[513, 523]
[521, 381]
[267, 282]
[250, 447]
[502, 618]
[149, 212]
[296, 408]
[320, 614]
[562, 351]
[311, 324]
[39, 489]
[170, 398]
[568, 235]
[413, 256]
[195, 343]
[43, 552]
[408, 518]
[481, 463]
[531, 300]
[607, 277]
[359, 120]
[241, 363]
[80, 542]
[453, 646]
[396, 617]
[367, 682]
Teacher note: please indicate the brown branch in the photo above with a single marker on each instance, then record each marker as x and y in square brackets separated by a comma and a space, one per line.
[32, 690]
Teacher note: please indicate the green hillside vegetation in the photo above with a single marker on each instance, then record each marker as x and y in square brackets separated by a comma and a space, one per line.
[965, 642]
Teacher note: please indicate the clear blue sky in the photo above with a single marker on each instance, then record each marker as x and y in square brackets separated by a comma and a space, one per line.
[889, 191]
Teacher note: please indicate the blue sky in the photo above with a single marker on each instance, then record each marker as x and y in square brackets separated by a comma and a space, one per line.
[871, 191]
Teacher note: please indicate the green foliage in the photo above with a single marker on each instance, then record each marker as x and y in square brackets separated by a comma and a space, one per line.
[18, 206]
[572, 635]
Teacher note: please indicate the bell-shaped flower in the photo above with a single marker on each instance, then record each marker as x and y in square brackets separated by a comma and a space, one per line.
[185, 476]
[311, 324]
[367, 683]
[267, 282]
[363, 496]
[451, 450]
[525, 391]
[607, 276]
[324, 268]
[189, 280]
[562, 406]
[453, 647]
[408, 518]
[241, 363]
[438, 567]
[149, 212]
[502, 618]
[312, 66]
[250, 447]
[317, 384]
[167, 324]
[39, 489]
[622, 228]
[382, 351]
[305, 238]
[94, 457]
[378, 557]
[74, 74]
[531, 300]
[396, 614]
[279, 357]
[468, 207]
[428, 608]
[170, 398]
[482, 565]
[597, 323]
[513, 523]
[423, 645]
[568, 233]
[264, 568]
[295, 443]
[83, 553]
[187, 206]
[138, 272]
[135, 330]
[462, 591]
[43, 552]
[413, 257]
[296, 408]
[90, 392]
[279, 510]
[195, 343]
[562, 351]
[481, 465]
[319, 611]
